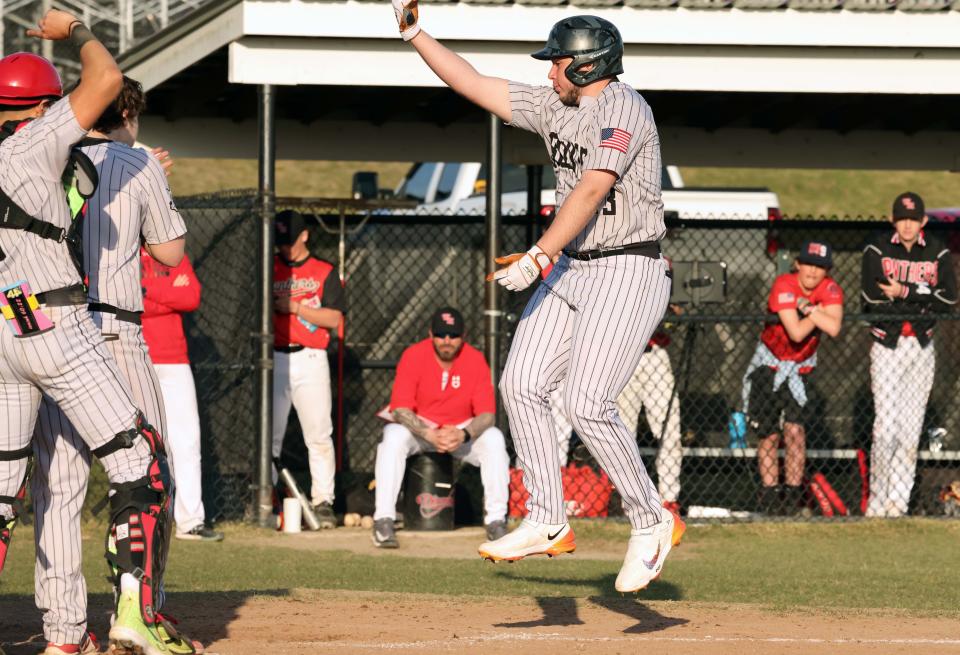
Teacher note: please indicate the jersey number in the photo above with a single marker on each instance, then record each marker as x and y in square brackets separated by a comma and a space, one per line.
[610, 208]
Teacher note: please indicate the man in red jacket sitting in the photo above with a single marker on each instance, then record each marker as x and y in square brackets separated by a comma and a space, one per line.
[169, 293]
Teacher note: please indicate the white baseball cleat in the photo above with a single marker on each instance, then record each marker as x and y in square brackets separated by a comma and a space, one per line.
[530, 539]
[647, 551]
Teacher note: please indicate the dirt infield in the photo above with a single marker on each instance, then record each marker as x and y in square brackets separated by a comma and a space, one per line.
[348, 622]
[317, 621]
[357, 623]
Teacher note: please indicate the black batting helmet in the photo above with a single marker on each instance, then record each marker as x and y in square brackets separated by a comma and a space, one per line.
[589, 40]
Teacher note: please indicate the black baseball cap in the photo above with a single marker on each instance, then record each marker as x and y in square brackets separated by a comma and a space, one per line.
[818, 253]
[287, 227]
[908, 205]
[447, 320]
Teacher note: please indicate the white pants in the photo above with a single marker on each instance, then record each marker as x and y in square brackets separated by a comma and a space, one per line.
[488, 451]
[303, 379]
[584, 328]
[650, 388]
[183, 442]
[62, 457]
[901, 379]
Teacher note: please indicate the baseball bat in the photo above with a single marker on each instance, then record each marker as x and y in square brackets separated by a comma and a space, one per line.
[864, 479]
[831, 494]
[825, 507]
[291, 484]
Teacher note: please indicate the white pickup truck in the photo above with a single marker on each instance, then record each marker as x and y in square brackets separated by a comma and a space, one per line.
[448, 188]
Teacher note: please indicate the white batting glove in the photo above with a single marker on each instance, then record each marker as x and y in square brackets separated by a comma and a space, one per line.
[520, 269]
[407, 17]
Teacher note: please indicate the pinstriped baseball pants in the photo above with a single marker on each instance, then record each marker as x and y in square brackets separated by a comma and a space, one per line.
[59, 485]
[587, 325]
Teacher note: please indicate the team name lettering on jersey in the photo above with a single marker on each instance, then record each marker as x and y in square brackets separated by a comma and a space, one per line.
[903, 270]
[566, 154]
[297, 285]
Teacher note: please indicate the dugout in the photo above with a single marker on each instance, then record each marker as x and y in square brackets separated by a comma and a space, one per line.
[801, 83]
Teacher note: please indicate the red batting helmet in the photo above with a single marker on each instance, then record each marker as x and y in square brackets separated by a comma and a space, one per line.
[26, 79]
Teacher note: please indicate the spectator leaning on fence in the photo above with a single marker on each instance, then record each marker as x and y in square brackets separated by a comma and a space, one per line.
[168, 293]
[909, 273]
[442, 401]
[308, 303]
[801, 305]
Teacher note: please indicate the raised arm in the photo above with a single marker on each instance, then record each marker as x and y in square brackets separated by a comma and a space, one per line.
[100, 77]
[490, 93]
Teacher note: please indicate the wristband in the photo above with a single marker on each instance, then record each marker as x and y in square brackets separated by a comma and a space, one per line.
[466, 435]
[80, 35]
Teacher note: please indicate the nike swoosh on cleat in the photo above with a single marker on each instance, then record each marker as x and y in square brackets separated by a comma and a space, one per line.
[652, 563]
[551, 537]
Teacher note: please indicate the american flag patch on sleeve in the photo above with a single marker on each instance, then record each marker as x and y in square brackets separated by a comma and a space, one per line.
[613, 137]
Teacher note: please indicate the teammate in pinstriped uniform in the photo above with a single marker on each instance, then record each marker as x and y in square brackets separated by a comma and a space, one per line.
[168, 293]
[906, 272]
[131, 202]
[49, 343]
[587, 324]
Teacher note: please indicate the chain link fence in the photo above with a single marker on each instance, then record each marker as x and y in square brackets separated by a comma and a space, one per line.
[222, 245]
[399, 269]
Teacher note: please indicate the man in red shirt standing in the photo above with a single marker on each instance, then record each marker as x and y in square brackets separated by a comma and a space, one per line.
[801, 305]
[308, 303]
[443, 402]
[168, 293]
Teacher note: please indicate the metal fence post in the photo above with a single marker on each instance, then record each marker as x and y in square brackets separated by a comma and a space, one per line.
[491, 312]
[267, 187]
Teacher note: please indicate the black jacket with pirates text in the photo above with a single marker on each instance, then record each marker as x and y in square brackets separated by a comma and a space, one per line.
[926, 274]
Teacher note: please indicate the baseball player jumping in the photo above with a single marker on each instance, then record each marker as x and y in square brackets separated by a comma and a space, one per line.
[586, 326]
[906, 272]
[49, 344]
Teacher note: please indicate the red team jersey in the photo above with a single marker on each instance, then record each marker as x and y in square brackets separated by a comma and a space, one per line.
[444, 397]
[313, 283]
[784, 295]
[163, 304]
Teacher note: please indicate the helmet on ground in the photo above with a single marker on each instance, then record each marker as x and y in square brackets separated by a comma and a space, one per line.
[26, 79]
[589, 40]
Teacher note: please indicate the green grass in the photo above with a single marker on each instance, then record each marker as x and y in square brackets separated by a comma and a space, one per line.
[802, 192]
[307, 179]
[905, 566]
[814, 193]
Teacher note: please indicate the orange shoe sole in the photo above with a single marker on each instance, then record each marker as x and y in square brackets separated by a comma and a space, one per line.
[679, 527]
[566, 545]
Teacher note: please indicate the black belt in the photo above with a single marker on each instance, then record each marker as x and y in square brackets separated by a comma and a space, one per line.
[63, 297]
[649, 249]
[121, 314]
[291, 348]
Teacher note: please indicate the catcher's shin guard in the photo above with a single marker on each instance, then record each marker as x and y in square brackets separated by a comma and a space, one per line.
[139, 534]
[15, 501]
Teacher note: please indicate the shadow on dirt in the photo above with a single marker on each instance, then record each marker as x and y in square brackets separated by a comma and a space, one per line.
[204, 616]
[563, 611]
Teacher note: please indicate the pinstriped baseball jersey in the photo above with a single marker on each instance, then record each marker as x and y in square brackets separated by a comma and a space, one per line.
[132, 199]
[31, 165]
[614, 131]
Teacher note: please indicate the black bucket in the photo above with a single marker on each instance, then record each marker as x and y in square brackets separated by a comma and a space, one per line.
[428, 492]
